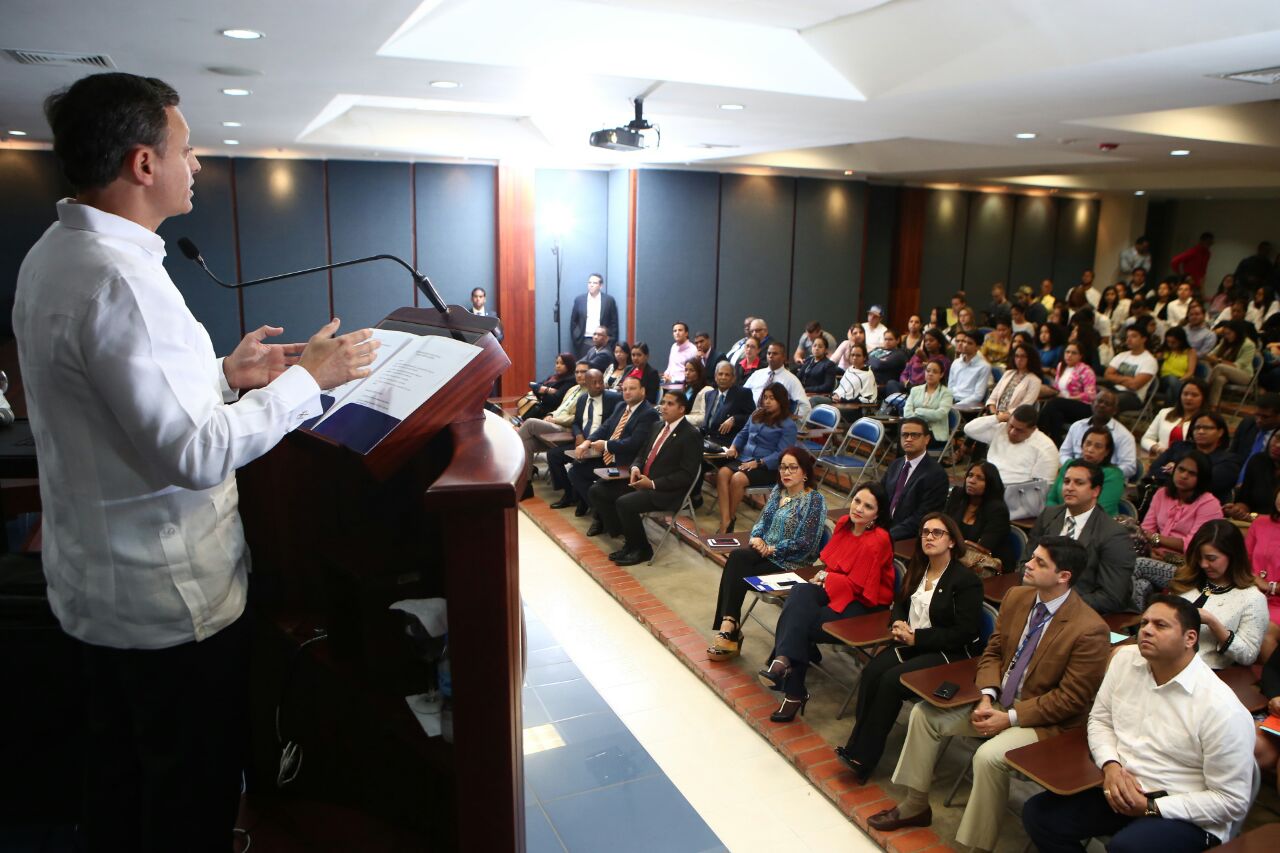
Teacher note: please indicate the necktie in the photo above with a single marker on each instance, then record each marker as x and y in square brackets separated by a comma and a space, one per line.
[1018, 666]
[653, 451]
[617, 432]
[900, 486]
[715, 410]
[1070, 532]
[769, 381]
[588, 427]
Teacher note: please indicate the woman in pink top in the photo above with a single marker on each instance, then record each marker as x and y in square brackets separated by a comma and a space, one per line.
[1177, 511]
[1263, 545]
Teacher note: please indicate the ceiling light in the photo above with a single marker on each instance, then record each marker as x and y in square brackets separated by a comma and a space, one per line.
[243, 35]
[732, 107]
[1139, 192]
[1025, 135]
[445, 84]
[17, 133]
[231, 142]
[236, 93]
[231, 124]
[1179, 152]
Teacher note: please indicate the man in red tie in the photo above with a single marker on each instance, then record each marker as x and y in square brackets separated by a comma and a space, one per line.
[669, 460]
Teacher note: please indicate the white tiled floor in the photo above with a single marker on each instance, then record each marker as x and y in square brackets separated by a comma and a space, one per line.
[726, 771]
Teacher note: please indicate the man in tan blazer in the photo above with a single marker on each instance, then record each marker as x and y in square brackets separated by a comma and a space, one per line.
[1039, 674]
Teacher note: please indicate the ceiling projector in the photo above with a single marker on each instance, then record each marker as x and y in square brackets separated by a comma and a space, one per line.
[629, 137]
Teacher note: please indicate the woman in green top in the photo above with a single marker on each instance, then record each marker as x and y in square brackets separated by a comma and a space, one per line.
[931, 401]
[1097, 447]
[1232, 359]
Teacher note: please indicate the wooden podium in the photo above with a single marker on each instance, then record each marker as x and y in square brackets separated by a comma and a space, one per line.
[336, 538]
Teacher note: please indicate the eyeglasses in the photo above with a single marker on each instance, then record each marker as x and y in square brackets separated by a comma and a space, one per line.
[933, 533]
[790, 468]
[912, 435]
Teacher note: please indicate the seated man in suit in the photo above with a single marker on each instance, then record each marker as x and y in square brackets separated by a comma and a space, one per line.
[1176, 771]
[613, 444]
[707, 352]
[595, 405]
[1251, 433]
[1106, 581]
[721, 410]
[1039, 674]
[915, 482]
[669, 459]
[600, 354]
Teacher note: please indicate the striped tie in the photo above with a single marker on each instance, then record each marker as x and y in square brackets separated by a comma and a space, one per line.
[617, 432]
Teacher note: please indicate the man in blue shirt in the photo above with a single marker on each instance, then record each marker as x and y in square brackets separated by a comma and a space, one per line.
[970, 374]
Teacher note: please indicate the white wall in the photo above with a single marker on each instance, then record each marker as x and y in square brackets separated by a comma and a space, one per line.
[1123, 216]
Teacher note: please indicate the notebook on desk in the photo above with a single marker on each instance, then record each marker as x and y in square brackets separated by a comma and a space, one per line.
[780, 582]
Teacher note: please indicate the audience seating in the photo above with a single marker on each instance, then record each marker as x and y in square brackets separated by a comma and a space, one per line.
[866, 435]
[1246, 390]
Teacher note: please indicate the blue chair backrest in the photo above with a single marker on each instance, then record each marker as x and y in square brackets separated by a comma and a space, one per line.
[824, 416]
[987, 626]
[869, 430]
[1017, 543]
[824, 538]
[1124, 507]
[953, 420]
[899, 572]
[996, 372]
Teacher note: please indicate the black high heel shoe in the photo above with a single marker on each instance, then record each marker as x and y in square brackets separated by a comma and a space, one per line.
[789, 708]
[860, 772]
[774, 674]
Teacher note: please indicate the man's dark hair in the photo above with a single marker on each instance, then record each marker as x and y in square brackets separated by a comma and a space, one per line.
[99, 119]
[1142, 238]
[776, 343]
[813, 326]
[1067, 554]
[678, 398]
[596, 275]
[481, 290]
[1095, 471]
[1186, 612]
[1026, 414]
[680, 323]
[706, 335]
[920, 422]
[1269, 401]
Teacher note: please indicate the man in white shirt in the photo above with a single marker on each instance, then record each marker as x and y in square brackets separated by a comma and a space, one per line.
[1105, 405]
[682, 350]
[1176, 311]
[143, 550]
[1131, 372]
[1174, 745]
[1019, 450]
[874, 327]
[592, 309]
[775, 370]
[1136, 257]
[735, 352]
[970, 374]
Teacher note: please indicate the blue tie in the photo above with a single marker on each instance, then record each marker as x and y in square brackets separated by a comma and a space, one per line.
[715, 410]
[586, 426]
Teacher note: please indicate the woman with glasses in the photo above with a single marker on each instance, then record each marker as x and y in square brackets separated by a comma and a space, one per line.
[785, 538]
[1210, 436]
[936, 618]
[1019, 385]
[1218, 580]
[857, 579]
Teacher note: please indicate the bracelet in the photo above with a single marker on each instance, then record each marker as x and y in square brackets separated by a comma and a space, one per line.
[1273, 588]
[1231, 635]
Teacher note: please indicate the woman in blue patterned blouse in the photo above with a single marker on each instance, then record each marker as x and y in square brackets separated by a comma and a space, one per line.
[785, 538]
[752, 459]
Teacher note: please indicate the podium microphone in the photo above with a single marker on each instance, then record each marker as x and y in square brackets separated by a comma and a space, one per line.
[421, 281]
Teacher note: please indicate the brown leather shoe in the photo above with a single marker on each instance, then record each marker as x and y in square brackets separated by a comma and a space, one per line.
[889, 819]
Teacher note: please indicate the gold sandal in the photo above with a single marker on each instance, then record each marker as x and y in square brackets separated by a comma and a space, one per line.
[727, 644]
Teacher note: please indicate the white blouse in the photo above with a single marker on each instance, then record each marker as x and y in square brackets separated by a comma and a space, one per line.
[1157, 434]
[1241, 610]
[920, 600]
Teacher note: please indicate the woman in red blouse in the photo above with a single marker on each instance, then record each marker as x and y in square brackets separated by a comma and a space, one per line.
[858, 579]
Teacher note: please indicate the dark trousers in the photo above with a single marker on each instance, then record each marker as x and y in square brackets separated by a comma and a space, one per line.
[1058, 414]
[582, 476]
[880, 698]
[744, 562]
[620, 507]
[1058, 824]
[806, 610]
[168, 733]
[557, 462]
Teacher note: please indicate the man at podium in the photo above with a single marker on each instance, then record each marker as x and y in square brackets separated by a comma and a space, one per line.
[138, 447]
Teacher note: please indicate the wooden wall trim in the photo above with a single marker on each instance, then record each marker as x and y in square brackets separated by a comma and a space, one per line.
[235, 242]
[516, 303]
[908, 246]
[632, 184]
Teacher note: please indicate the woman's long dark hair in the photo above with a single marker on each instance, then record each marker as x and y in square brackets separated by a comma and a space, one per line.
[884, 518]
[1225, 537]
[919, 563]
[1204, 476]
[779, 392]
[1178, 412]
[1033, 359]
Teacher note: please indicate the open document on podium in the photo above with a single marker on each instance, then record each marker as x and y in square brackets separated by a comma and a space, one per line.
[408, 370]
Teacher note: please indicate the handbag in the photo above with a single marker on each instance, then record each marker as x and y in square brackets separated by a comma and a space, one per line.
[981, 560]
[1026, 499]
[525, 403]
[1137, 539]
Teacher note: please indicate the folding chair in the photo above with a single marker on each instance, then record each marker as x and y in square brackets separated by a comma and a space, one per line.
[1251, 388]
[1126, 507]
[823, 416]
[899, 572]
[865, 435]
[1017, 546]
[986, 628]
[685, 504]
[953, 427]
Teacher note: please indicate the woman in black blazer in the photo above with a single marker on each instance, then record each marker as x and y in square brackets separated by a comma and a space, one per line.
[936, 617]
[979, 509]
[643, 370]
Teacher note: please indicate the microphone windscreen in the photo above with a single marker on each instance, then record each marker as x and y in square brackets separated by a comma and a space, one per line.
[189, 249]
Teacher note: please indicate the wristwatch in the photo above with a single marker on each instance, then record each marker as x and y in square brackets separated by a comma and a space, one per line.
[1153, 810]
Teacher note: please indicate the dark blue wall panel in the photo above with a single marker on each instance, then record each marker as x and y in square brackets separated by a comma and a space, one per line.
[370, 213]
[675, 255]
[1035, 223]
[757, 219]
[946, 221]
[281, 209]
[1077, 235]
[830, 216]
[573, 206]
[882, 218]
[30, 186]
[986, 258]
[619, 225]
[211, 226]
[457, 230]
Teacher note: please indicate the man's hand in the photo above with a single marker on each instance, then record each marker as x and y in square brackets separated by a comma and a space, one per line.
[1122, 791]
[599, 445]
[726, 426]
[640, 481]
[335, 360]
[253, 364]
[987, 719]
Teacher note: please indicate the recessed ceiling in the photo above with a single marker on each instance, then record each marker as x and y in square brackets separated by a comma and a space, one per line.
[913, 90]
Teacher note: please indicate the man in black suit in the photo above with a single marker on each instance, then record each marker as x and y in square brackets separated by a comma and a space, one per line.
[600, 354]
[915, 482]
[707, 353]
[592, 309]
[1106, 584]
[669, 459]
[1251, 435]
[479, 303]
[725, 406]
[595, 405]
[614, 443]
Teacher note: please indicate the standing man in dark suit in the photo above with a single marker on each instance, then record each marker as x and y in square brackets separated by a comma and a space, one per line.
[669, 460]
[1106, 584]
[595, 405]
[614, 443]
[479, 301]
[592, 309]
[915, 482]
[725, 406]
